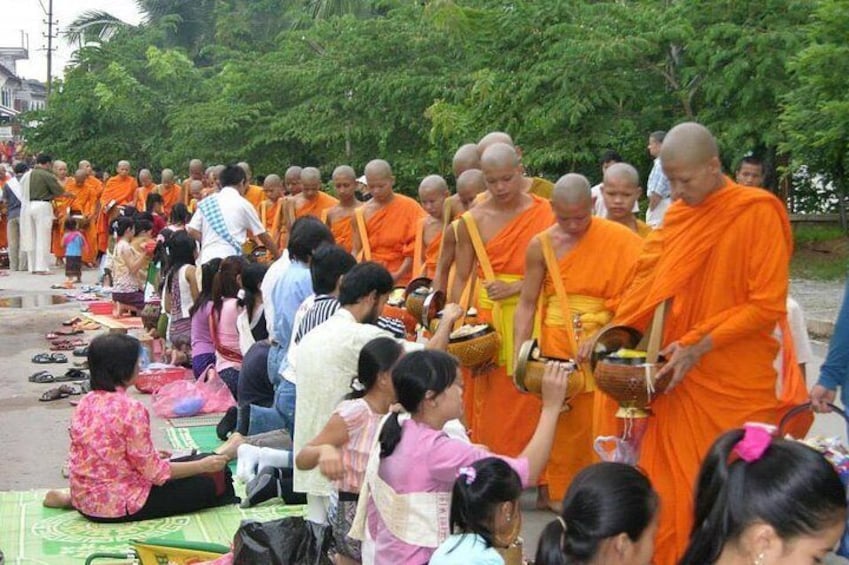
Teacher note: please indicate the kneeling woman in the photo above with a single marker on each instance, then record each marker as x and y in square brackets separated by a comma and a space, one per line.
[116, 474]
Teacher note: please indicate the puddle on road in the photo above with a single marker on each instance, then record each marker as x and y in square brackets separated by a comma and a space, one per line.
[32, 300]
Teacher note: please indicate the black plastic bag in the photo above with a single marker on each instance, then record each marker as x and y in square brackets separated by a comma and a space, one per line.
[287, 541]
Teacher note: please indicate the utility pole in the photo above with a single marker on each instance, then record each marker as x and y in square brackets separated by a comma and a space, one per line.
[50, 36]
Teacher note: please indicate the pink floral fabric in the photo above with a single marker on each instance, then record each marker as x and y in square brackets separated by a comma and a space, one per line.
[113, 463]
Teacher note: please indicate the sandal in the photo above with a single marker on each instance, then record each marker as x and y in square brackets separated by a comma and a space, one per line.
[72, 375]
[72, 321]
[41, 377]
[53, 394]
[81, 351]
[67, 344]
[87, 326]
[42, 358]
[58, 358]
[68, 331]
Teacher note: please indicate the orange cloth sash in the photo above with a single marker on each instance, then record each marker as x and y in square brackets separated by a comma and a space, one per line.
[388, 236]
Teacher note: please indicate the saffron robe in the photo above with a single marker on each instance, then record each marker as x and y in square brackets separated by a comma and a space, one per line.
[314, 207]
[255, 195]
[724, 263]
[123, 192]
[141, 196]
[170, 196]
[391, 233]
[594, 272]
[425, 256]
[503, 418]
[61, 205]
[342, 228]
[85, 204]
[541, 187]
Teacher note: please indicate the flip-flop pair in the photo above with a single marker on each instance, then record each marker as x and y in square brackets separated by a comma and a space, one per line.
[46, 358]
[60, 392]
[62, 333]
[72, 321]
[67, 344]
[44, 377]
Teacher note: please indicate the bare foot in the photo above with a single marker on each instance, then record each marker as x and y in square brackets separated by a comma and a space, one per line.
[57, 499]
[556, 507]
[229, 447]
[543, 502]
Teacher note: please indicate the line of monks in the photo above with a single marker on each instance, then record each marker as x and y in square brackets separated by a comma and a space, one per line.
[534, 261]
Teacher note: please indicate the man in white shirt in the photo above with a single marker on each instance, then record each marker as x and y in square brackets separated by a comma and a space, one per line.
[223, 219]
[657, 187]
[327, 358]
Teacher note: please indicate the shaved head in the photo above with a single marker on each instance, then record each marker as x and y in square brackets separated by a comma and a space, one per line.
[196, 188]
[433, 190]
[196, 166]
[293, 172]
[573, 189]
[690, 160]
[60, 168]
[345, 183]
[167, 176]
[492, 138]
[572, 205]
[123, 168]
[378, 168]
[469, 185]
[80, 176]
[467, 157]
[379, 180]
[247, 168]
[310, 174]
[272, 186]
[433, 183]
[272, 180]
[623, 172]
[499, 155]
[293, 179]
[144, 175]
[344, 171]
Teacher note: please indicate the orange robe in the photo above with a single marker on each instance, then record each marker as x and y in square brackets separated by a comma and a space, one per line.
[503, 418]
[541, 187]
[85, 204]
[60, 214]
[170, 196]
[391, 233]
[724, 264]
[255, 195]
[643, 229]
[268, 212]
[342, 229]
[314, 207]
[141, 197]
[594, 273]
[426, 257]
[122, 191]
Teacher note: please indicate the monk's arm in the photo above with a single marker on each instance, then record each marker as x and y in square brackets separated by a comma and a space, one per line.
[523, 321]
[464, 257]
[405, 267]
[269, 243]
[446, 258]
[356, 244]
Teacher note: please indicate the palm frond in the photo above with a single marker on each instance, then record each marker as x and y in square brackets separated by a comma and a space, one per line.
[93, 26]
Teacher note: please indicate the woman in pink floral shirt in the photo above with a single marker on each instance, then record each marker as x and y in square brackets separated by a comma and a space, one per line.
[116, 474]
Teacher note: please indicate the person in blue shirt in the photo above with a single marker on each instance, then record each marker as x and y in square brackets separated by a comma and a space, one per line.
[74, 244]
[834, 372]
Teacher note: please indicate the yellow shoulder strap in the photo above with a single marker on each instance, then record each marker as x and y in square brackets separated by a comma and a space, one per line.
[324, 215]
[418, 250]
[263, 212]
[480, 249]
[361, 230]
[553, 268]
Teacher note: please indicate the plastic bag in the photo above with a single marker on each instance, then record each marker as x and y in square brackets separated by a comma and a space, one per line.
[287, 541]
[212, 394]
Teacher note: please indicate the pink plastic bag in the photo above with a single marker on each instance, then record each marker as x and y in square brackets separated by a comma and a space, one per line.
[209, 392]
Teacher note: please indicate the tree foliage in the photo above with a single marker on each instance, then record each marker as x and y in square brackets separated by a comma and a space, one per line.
[323, 82]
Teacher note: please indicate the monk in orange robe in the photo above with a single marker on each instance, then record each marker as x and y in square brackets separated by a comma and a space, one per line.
[721, 260]
[580, 267]
[433, 192]
[385, 226]
[620, 190]
[534, 185]
[270, 208]
[312, 201]
[196, 172]
[60, 212]
[253, 193]
[120, 189]
[492, 233]
[170, 191]
[339, 218]
[85, 189]
[146, 186]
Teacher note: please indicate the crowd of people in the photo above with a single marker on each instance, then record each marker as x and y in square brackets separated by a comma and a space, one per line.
[346, 404]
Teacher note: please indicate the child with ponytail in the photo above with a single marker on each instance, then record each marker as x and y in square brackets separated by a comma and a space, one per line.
[406, 496]
[485, 514]
[342, 449]
[766, 501]
[609, 517]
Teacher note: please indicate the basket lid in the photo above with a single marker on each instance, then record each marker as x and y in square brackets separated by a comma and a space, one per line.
[415, 284]
[612, 339]
[525, 352]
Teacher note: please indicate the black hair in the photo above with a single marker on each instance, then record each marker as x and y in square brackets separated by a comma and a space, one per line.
[377, 356]
[478, 493]
[21, 168]
[152, 200]
[363, 279]
[43, 159]
[658, 135]
[413, 376]
[129, 211]
[121, 224]
[207, 276]
[180, 249]
[611, 156]
[329, 263]
[252, 275]
[112, 360]
[180, 214]
[308, 234]
[70, 224]
[791, 488]
[225, 284]
[752, 160]
[232, 175]
[142, 224]
[603, 501]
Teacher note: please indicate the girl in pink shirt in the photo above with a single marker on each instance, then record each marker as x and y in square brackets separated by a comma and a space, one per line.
[406, 496]
[342, 449]
[116, 475]
[222, 321]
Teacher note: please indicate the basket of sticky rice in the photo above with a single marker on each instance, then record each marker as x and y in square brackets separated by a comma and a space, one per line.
[415, 295]
[530, 367]
[474, 344]
[624, 369]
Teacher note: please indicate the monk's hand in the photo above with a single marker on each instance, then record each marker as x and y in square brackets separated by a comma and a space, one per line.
[330, 463]
[555, 382]
[499, 290]
[682, 358]
[821, 397]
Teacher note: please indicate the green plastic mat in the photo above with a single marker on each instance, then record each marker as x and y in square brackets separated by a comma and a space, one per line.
[202, 438]
[195, 421]
[30, 533]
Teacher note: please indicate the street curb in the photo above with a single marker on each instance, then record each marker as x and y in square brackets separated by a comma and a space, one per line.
[822, 328]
